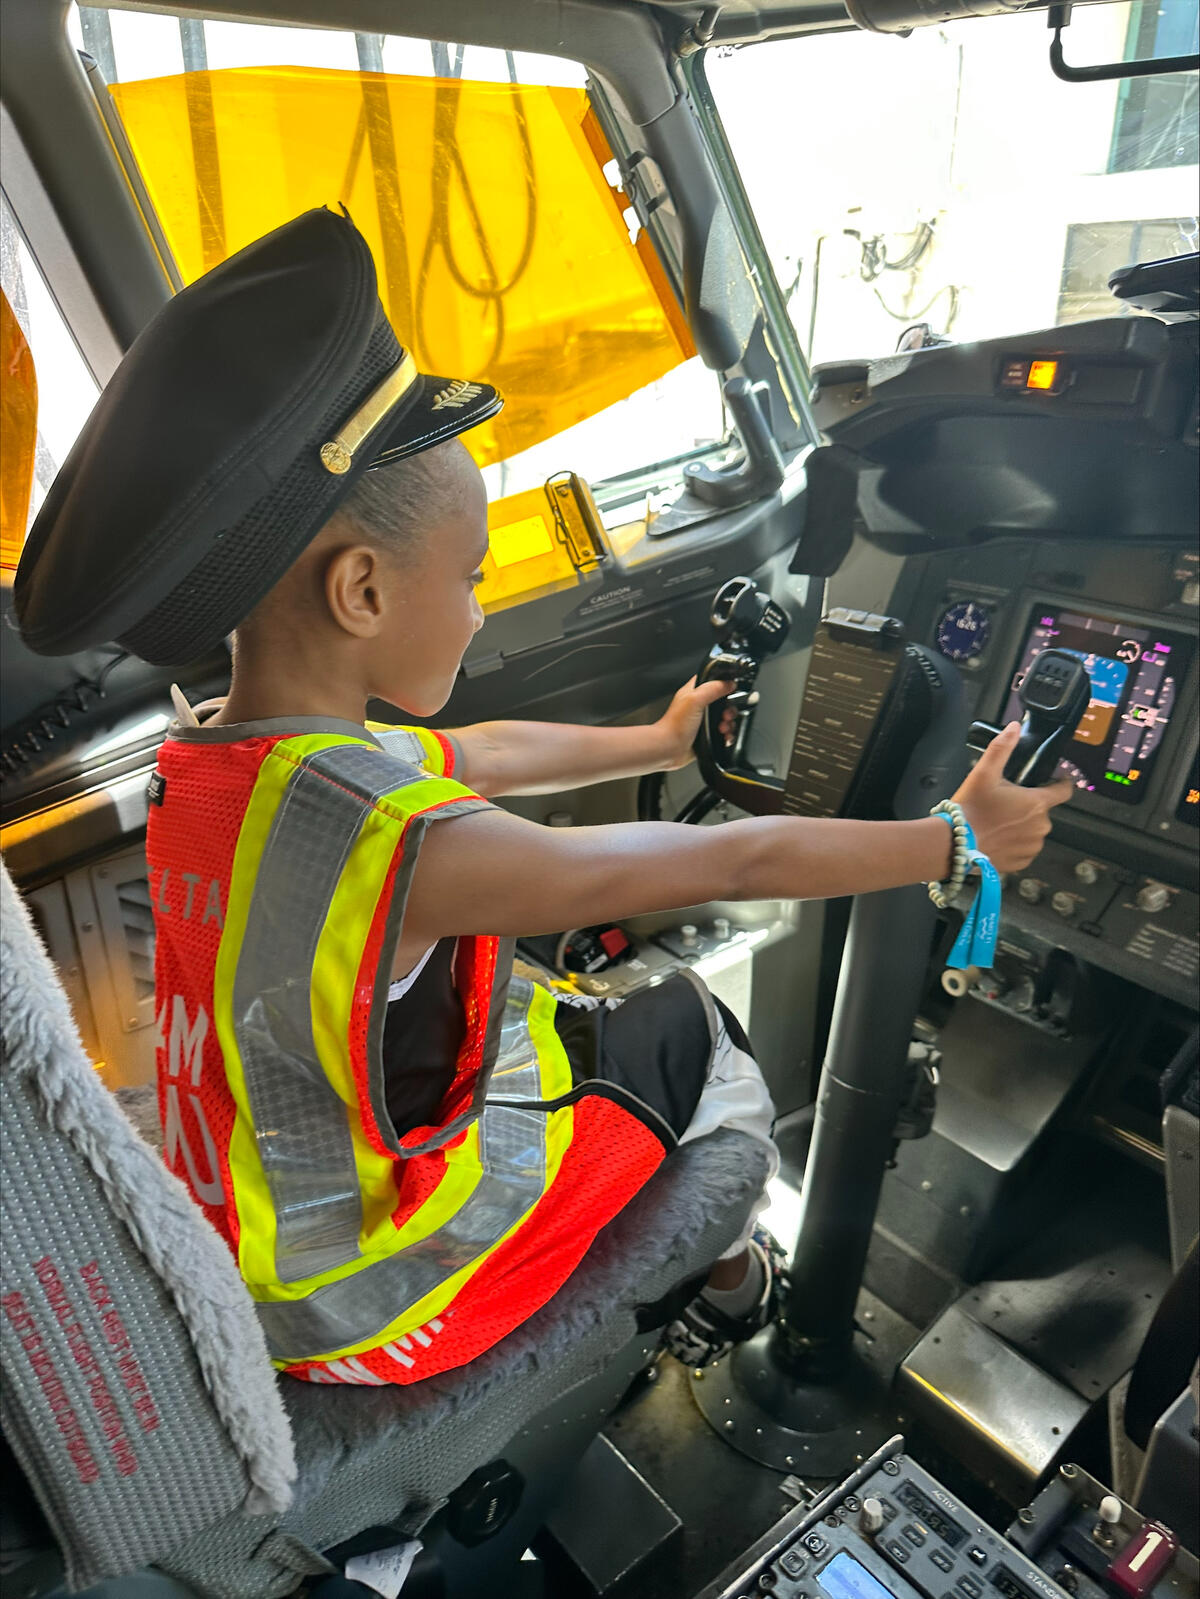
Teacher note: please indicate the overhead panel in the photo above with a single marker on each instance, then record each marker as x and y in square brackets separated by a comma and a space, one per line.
[501, 248]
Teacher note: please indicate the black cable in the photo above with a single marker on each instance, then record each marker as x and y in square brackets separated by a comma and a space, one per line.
[699, 806]
[650, 792]
[873, 260]
[649, 797]
[916, 316]
[45, 722]
[446, 104]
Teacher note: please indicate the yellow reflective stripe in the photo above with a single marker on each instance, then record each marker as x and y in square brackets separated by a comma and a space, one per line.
[559, 1130]
[334, 978]
[335, 967]
[552, 1057]
[251, 1195]
[435, 755]
[463, 1170]
[462, 1174]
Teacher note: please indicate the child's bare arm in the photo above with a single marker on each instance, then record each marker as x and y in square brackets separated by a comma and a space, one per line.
[495, 873]
[543, 757]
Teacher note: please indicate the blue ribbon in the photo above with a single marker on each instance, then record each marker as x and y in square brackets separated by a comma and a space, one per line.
[976, 941]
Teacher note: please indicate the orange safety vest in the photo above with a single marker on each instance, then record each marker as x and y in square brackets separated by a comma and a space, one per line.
[280, 857]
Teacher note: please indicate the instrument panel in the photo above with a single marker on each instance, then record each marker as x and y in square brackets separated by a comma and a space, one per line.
[1136, 674]
[1117, 884]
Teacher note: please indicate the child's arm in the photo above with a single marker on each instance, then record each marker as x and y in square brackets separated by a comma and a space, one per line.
[495, 873]
[543, 757]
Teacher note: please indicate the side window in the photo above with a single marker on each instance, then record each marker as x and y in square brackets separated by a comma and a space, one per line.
[483, 182]
[46, 390]
[1158, 117]
[1095, 250]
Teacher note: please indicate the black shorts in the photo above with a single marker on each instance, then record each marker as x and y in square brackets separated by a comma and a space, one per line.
[655, 1050]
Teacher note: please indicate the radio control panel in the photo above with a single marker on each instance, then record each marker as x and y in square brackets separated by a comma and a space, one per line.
[1135, 926]
[891, 1531]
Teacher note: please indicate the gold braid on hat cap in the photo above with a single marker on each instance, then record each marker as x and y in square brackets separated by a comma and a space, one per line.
[337, 456]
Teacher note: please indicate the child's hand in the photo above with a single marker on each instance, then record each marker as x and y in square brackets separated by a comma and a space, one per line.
[680, 723]
[1010, 823]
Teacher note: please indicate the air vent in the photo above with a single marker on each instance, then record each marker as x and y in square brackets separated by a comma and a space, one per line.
[127, 923]
[137, 920]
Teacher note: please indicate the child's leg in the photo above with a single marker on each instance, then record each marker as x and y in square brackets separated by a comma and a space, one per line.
[683, 1053]
[735, 1096]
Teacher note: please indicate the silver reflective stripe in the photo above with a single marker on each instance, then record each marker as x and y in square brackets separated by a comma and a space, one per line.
[512, 1146]
[301, 1125]
[402, 743]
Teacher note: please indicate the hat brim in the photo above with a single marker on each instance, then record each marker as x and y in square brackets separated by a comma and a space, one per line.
[438, 410]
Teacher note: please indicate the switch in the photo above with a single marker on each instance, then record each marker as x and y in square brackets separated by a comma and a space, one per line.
[1153, 897]
[1087, 872]
[793, 1563]
[1013, 373]
[871, 1517]
[1143, 1561]
[1030, 889]
[1063, 904]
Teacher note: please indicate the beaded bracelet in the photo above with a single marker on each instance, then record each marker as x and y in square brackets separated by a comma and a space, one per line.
[942, 893]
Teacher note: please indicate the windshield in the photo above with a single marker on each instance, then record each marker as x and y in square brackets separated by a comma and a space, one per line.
[950, 179]
[484, 184]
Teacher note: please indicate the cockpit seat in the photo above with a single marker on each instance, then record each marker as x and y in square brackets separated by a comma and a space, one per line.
[141, 1408]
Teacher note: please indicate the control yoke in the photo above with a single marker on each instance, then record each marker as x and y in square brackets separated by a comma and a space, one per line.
[750, 627]
[1054, 694]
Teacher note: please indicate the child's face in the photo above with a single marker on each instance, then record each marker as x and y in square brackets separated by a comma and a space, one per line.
[438, 614]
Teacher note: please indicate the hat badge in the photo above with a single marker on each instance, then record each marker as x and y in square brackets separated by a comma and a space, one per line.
[455, 394]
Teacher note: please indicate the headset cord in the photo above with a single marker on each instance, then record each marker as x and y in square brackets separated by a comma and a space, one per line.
[20, 752]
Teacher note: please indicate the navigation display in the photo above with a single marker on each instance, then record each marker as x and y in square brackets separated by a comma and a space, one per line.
[1136, 672]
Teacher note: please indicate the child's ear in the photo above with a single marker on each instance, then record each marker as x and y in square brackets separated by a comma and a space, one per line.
[353, 590]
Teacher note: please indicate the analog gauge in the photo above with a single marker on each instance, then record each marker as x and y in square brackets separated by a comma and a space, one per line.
[963, 629]
[1080, 779]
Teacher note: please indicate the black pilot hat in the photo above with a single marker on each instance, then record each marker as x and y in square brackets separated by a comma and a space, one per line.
[240, 418]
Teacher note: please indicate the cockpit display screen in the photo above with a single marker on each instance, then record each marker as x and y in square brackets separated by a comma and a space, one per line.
[1136, 672]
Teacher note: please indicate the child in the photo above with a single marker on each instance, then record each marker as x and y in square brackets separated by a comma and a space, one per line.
[408, 1147]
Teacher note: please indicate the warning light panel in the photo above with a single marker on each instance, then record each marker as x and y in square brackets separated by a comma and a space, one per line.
[1027, 374]
[1042, 375]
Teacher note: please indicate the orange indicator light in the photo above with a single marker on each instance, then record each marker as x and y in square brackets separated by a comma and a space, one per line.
[1042, 375]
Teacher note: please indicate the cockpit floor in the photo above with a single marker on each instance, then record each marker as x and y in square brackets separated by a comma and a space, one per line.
[724, 1499]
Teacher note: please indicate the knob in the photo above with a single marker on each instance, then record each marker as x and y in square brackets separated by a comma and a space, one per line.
[1064, 904]
[1087, 871]
[689, 935]
[1153, 897]
[721, 928]
[870, 1517]
[1030, 889]
[1110, 1510]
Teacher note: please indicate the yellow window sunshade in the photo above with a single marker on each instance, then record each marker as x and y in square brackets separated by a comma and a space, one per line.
[18, 433]
[501, 249]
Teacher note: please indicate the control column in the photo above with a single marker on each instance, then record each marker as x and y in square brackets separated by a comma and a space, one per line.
[881, 734]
